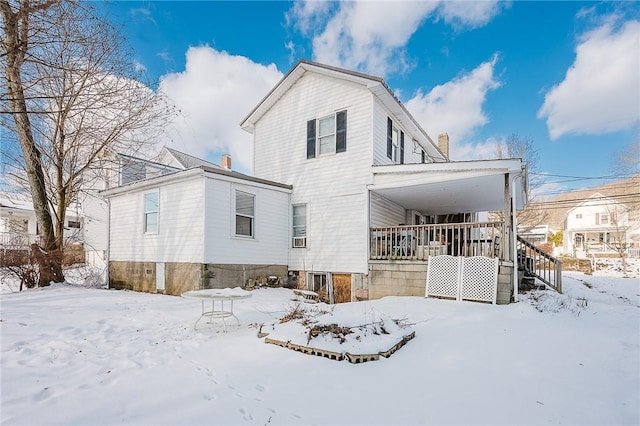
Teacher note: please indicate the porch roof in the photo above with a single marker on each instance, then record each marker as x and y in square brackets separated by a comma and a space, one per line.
[452, 187]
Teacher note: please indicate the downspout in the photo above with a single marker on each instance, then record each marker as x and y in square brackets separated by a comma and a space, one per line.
[367, 230]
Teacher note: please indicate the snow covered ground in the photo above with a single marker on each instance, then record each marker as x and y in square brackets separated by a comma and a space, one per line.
[82, 355]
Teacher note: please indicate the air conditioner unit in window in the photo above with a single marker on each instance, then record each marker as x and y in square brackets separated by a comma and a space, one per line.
[300, 242]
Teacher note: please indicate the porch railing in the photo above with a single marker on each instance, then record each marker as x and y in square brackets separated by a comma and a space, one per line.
[418, 242]
[543, 266]
[17, 240]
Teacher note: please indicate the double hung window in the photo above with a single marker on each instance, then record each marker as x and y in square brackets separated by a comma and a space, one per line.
[245, 210]
[299, 226]
[151, 210]
[327, 135]
[395, 142]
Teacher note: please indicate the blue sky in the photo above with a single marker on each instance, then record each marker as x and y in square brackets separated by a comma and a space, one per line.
[564, 74]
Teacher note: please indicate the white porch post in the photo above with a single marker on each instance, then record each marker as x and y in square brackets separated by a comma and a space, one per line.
[506, 242]
[514, 224]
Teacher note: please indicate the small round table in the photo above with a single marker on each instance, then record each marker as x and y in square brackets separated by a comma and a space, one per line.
[217, 295]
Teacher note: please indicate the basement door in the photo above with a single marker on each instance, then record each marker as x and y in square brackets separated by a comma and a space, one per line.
[342, 288]
[160, 277]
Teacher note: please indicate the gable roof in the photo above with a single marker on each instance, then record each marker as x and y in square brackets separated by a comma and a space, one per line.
[187, 161]
[596, 199]
[376, 85]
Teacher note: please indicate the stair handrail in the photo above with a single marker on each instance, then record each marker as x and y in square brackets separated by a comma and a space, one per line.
[541, 265]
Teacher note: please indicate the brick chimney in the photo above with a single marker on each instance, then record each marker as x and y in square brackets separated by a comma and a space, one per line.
[443, 144]
[225, 161]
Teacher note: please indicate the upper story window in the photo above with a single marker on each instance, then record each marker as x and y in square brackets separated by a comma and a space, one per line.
[151, 210]
[604, 218]
[299, 225]
[578, 216]
[327, 135]
[245, 214]
[395, 143]
[73, 224]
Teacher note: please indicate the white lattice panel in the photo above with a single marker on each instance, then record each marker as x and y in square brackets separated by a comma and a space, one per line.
[442, 276]
[479, 279]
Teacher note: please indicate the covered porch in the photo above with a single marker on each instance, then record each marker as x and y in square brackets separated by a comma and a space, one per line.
[419, 211]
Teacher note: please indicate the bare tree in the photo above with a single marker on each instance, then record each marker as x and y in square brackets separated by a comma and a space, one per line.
[516, 146]
[628, 162]
[617, 239]
[73, 94]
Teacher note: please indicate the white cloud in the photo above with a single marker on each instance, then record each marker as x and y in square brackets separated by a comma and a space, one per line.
[305, 16]
[456, 108]
[469, 14]
[370, 36]
[486, 150]
[214, 93]
[601, 90]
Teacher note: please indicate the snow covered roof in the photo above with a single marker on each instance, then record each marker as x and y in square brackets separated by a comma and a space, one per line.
[15, 201]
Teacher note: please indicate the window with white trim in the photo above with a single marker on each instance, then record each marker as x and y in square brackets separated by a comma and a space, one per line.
[578, 216]
[151, 210]
[299, 221]
[327, 135]
[395, 142]
[317, 282]
[245, 210]
[604, 218]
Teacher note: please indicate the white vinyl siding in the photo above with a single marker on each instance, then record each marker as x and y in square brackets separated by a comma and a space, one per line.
[181, 224]
[270, 243]
[386, 213]
[333, 186]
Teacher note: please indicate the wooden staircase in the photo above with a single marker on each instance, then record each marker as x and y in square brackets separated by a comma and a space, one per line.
[537, 264]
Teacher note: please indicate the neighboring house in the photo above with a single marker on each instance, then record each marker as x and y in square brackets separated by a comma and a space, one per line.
[350, 196]
[585, 218]
[19, 228]
[599, 226]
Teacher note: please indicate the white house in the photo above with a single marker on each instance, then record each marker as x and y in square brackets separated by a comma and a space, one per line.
[360, 167]
[19, 227]
[350, 196]
[598, 226]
